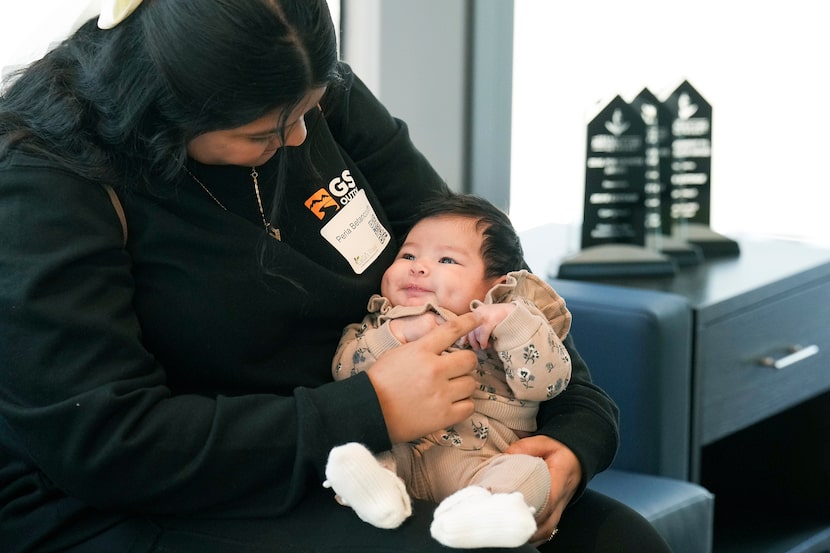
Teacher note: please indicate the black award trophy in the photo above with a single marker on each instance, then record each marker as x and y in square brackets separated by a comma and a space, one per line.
[658, 172]
[613, 227]
[691, 148]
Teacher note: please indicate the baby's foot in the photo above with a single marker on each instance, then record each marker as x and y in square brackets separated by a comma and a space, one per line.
[376, 494]
[473, 517]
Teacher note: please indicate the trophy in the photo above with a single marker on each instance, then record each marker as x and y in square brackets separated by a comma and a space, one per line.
[614, 212]
[691, 164]
[658, 175]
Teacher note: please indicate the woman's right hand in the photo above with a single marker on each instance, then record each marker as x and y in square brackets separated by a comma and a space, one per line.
[422, 389]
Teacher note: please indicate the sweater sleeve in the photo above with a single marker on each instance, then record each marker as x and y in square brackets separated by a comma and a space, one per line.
[536, 364]
[361, 346]
[90, 407]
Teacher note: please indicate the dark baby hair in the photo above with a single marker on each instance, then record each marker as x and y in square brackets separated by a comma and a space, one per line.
[501, 248]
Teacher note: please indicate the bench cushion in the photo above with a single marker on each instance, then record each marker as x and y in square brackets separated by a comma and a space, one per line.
[682, 512]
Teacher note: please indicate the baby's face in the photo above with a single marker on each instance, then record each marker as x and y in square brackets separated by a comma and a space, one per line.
[441, 263]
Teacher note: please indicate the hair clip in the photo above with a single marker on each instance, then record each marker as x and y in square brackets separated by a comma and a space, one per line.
[114, 12]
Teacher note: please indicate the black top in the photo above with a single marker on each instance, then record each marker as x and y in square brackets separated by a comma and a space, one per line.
[176, 376]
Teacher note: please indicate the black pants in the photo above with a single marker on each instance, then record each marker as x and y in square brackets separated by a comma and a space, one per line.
[595, 524]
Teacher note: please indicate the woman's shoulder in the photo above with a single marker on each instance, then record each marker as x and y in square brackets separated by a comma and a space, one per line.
[41, 195]
[19, 163]
[29, 178]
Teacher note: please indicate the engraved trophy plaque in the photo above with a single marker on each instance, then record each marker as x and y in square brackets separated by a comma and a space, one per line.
[658, 174]
[614, 218]
[691, 163]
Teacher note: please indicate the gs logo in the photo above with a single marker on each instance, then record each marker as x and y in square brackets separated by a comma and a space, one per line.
[341, 190]
[343, 186]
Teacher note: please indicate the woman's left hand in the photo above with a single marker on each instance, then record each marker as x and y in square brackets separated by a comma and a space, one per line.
[565, 476]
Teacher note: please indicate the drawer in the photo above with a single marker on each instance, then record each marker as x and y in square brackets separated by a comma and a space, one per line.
[737, 388]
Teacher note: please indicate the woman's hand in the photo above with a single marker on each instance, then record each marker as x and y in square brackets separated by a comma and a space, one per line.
[565, 476]
[422, 389]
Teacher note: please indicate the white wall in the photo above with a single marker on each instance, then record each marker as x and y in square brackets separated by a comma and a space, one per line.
[28, 28]
[411, 54]
[762, 66]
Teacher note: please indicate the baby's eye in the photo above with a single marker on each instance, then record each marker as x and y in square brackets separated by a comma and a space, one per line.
[261, 139]
[447, 260]
[407, 256]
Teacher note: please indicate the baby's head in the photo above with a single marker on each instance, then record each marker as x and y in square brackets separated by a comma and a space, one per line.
[460, 247]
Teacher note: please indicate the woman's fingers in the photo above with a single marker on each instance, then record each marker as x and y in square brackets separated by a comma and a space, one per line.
[422, 389]
[565, 477]
[439, 339]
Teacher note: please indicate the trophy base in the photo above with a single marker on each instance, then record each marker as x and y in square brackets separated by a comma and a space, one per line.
[710, 242]
[681, 252]
[616, 261]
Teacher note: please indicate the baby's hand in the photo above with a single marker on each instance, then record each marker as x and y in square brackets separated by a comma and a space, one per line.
[488, 316]
[409, 329]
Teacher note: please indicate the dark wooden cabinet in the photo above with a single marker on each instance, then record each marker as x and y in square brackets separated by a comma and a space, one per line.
[761, 339]
[761, 346]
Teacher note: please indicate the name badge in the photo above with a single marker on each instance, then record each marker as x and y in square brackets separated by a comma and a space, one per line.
[356, 233]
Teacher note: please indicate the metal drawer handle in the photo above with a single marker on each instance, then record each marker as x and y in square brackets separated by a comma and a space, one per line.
[798, 354]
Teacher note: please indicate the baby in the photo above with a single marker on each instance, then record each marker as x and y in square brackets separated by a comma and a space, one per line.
[462, 255]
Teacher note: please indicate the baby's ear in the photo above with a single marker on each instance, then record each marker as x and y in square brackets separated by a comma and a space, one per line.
[497, 280]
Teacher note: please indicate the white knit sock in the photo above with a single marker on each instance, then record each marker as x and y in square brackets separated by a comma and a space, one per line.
[375, 493]
[473, 517]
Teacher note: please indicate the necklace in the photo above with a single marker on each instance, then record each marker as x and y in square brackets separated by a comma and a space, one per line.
[275, 232]
[269, 228]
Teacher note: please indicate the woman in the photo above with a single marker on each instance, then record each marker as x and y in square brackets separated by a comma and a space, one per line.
[165, 378]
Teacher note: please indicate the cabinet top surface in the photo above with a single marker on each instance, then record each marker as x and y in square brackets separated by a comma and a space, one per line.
[764, 267]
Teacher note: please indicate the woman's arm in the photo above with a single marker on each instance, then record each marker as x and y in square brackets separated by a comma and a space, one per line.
[583, 418]
[94, 411]
[577, 438]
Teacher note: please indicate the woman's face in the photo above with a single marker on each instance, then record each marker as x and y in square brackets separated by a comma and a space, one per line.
[256, 142]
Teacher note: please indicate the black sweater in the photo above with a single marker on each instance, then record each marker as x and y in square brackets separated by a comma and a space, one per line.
[175, 375]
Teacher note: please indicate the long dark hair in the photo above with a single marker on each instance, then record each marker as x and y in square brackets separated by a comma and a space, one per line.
[121, 104]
